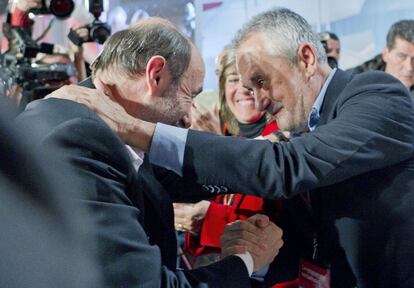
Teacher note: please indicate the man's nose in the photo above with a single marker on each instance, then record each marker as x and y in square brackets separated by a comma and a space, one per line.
[261, 103]
[243, 90]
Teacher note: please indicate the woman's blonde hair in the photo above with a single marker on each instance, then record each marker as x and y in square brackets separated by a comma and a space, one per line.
[227, 118]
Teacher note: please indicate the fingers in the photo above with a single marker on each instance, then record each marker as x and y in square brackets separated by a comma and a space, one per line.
[204, 120]
[274, 235]
[254, 248]
[78, 93]
[192, 209]
[203, 110]
[244, 233]
[258, 235]
[259, 220]
[275, 242]
[189, 217]
[82, 31]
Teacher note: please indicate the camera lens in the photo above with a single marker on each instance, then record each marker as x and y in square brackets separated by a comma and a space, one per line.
[60, 8]
[100, 33]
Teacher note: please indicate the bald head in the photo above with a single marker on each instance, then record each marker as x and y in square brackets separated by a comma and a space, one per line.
[131, 49]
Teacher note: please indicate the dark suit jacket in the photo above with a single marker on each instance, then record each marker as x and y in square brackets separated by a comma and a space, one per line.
[40, 240]
[358, 165]
[131, 213]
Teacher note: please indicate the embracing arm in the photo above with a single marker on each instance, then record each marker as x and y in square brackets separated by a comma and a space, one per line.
[372, 128]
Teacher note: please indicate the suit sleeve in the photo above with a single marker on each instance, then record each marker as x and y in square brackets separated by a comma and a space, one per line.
[101, 169]
[371, 128]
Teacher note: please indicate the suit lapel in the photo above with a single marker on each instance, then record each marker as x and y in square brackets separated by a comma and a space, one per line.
[158, 214]
[335, 88]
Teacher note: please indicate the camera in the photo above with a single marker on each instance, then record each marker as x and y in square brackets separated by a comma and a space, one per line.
[35, 80]
[98, 31]
[26, 47]
[60, 8]
[17, 69]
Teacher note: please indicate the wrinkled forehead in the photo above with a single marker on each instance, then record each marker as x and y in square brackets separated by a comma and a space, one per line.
[248, 59]
[253, 41]
[253, 47]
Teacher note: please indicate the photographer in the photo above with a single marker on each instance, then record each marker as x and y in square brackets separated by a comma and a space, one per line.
[39, 69]
[78, 59]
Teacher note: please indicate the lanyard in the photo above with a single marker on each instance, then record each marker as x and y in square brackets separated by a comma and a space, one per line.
[305, 197]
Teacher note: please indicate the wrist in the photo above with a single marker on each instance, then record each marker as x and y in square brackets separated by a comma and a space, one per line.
[248, 261]
[138, 133]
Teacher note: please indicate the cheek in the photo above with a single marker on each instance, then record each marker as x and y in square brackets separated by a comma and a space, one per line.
[184, 102]
[394, 62]
[230, 93]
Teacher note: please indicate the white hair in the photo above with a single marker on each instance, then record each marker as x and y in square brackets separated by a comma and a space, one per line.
[285, 31]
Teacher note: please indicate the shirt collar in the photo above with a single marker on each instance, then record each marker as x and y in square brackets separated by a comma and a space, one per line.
[316, 107]
[136, 155]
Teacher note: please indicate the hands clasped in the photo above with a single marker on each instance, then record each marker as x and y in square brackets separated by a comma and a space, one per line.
[257, 235]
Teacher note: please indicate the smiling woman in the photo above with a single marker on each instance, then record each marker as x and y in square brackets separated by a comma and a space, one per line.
[237, 105]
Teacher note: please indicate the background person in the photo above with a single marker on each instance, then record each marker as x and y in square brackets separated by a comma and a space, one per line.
[397, 57]
[332, 45]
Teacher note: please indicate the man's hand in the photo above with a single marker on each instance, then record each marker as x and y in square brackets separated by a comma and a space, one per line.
[132, 131]
[82, 33]
[189, 217]
[204, 120]
[258, 235]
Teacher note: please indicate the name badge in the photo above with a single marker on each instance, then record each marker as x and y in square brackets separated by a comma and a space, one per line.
[313, 276]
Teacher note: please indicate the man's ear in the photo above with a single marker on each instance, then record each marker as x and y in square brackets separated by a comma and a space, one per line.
[307, 59]
[385, 53]
[157, 75]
